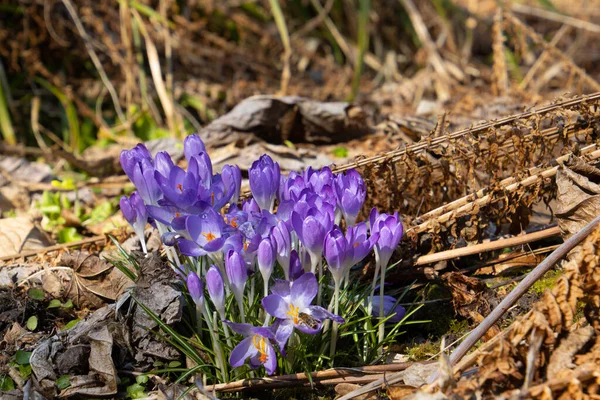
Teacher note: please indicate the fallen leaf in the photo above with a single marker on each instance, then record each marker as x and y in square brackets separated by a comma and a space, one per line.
[93, 280]
[19, 235]
[577, 195]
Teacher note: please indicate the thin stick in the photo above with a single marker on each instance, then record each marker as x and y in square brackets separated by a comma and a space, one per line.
[303, 378]
[552, 16]
[94, 239]
[484, 247]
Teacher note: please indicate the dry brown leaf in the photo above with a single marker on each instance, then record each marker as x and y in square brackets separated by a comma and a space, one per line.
[397, 392]
[561, 360]
[578, 195]
[93, 281]
[18, 235]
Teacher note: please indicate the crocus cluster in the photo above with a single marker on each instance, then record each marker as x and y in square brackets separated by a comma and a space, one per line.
[215, 242]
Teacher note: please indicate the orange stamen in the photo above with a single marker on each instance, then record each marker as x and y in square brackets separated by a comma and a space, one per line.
[180, 187]
[261, 345]
[293, 313]
[209, 236]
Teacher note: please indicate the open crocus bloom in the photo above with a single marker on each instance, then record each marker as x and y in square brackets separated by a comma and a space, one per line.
[290, 303]
[256, 346]
[205, 232]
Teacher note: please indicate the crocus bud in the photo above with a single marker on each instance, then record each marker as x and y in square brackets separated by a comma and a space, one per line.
[390, 230]
[350, 191]
[232, 179]
[192, 146]
[235, 267]
[264, 181]
[134, 211]
[337, 253]
[216, 289]
[282, 241]
[195, 288]
[296, 269]
[266, 257]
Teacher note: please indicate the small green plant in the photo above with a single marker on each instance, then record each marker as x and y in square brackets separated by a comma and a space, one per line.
[137, 390]
[6, 383]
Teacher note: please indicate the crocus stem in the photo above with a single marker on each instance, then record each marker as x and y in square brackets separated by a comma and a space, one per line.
[199, 320]
[320, 292]
[265, 287]
[143, 243]
[381, 310]
[216, 344]
[227, 336]
[334, 327]
[370, 301]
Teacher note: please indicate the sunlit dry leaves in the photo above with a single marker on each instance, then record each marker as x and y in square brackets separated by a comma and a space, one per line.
[19, 234]
[397, 392]
[561, 359]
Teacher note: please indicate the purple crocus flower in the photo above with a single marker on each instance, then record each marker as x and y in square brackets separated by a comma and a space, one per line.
[232, 178]
[235, 266]
[296, 268]
[131, 158]
[316, 179]
[196, 289]
[390, 231]
[291, 305]
[311, 231]
[291, 187]
[350, 190]
[389, 307]
[338, 253]
[343, 251]
[179, 187]
[256, 346]
[265, 256]
[192, 146]
[282, 241]
[135, 213]
[216, 289]
[264, 181]
[205, 233]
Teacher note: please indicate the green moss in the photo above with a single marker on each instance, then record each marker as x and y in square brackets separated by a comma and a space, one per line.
[546, 282]
[423, 351]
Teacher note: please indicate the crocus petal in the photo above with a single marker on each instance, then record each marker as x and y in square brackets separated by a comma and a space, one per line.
[242, 329]
[271, 364]
[281, 288]
[320, 313]
[276, 306]
[242, 351]
[304, 290]
[283, 333]
[190, 248]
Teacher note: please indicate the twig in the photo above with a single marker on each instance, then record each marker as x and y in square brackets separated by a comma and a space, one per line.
[425, 38]
[483, 197]
[552, 16]
[539, 40]
[93, 239]
[543, 58]
[327, 377]
[395, 155]
[484, 247]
